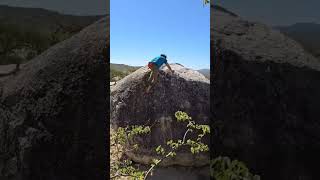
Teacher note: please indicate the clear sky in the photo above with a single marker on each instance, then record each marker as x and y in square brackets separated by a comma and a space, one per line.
[275, 12]
[143, 29]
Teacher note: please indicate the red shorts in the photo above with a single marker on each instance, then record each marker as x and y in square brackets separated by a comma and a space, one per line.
[151, 65]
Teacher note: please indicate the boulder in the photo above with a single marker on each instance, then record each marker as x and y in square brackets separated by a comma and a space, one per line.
[53, 111]
[266, 96]
[181, 173]
[186, 90]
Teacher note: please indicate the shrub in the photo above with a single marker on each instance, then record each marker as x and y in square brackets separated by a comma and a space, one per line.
[221, 168]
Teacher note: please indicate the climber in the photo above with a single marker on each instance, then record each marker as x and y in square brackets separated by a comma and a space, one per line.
[155, 65]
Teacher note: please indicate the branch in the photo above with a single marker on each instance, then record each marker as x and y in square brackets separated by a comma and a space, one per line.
[168, 154]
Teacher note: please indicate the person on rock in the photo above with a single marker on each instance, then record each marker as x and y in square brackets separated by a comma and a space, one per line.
[154, 65]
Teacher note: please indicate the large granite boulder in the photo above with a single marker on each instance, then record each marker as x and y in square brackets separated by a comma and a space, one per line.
[266, 95]
[53, 111]
[186, 90]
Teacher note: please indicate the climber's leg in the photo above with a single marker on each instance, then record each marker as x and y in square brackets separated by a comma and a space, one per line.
[151, 67]
[153, 76]
[150, 76]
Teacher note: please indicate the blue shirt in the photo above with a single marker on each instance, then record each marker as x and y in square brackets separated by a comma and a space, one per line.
[159, 61]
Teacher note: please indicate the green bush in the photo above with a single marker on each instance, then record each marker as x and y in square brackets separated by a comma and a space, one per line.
[221, 168]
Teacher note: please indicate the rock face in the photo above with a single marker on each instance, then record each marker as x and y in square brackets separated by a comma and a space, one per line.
[266, 93]
[186, 90]
[53, 111]
[181, 173]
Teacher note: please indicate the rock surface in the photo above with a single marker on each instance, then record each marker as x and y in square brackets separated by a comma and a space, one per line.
[266, 95]
[181, 173]
[53, 111]
[258, 42]
[186, 90]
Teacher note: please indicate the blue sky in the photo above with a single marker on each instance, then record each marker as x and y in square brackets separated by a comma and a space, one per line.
[143, 29]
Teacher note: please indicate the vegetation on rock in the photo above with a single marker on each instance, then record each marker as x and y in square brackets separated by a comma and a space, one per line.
[221, 168]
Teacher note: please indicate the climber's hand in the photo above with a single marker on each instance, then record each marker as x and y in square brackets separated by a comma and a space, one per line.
[169, 71]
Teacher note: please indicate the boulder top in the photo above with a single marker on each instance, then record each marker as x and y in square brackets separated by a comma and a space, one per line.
[255, 41]
[180, 71]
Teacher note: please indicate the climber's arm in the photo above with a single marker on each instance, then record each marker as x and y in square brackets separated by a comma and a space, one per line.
[169, 67]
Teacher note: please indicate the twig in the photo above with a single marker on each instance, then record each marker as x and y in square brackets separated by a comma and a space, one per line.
[174, 149]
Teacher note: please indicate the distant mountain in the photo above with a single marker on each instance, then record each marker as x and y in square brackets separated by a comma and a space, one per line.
[123, 67]
[42, 19]
[27, 32]
[121, 70]
[307, 34]
[205, 72]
